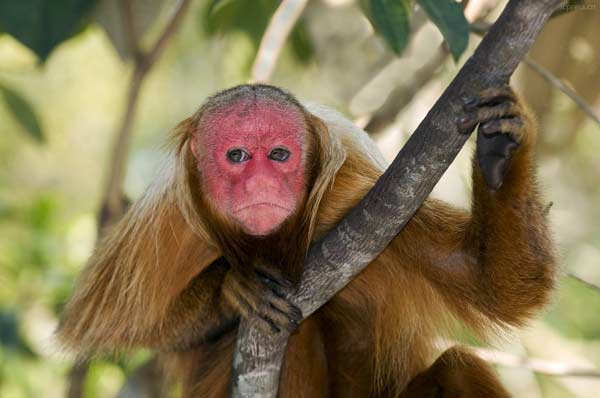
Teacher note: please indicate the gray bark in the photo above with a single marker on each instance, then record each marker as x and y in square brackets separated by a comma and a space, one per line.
[365, 232]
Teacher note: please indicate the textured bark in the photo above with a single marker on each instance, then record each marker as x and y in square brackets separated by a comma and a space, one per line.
[367, 229]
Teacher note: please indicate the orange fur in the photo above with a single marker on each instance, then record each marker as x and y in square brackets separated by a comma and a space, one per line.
[151, 282]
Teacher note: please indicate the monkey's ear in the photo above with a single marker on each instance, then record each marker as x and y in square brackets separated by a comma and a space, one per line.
[194, 147]
[184, 132]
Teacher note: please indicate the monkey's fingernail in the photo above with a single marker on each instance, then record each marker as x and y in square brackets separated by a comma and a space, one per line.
[464, 124]
[469, 101]
[294, 325]
[297, 314]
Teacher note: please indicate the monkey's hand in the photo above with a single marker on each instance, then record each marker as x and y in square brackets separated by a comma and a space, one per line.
[262, 292]
[501, 130]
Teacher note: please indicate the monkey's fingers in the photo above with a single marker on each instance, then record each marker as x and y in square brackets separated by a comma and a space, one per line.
[501, 128]
[278, 290]
[281, 312]
[511, 126]
[247, 303]
[491, 104]
[237, 302]
[256, 296]
[490, 97]
[275, 279]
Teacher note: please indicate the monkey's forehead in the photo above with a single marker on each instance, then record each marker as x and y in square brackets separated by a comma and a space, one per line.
[254, 121]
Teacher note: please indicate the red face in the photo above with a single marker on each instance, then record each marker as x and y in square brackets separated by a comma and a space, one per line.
[252, 162]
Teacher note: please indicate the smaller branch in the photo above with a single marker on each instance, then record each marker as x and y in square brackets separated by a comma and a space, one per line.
[77, 378]
[556, 82]
[591, 285]
[406, 90]
[541, 366]
[280, 26]
[130, 28]
[481, 28]
[113, 204]
[167, 33]
[113, 207]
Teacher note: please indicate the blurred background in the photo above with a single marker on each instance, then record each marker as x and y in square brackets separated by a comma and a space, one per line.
[90, 89]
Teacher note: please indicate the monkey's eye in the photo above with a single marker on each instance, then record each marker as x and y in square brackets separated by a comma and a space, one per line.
[279, 154]
[237, 155]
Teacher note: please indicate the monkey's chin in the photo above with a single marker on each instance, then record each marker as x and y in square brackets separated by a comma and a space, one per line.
[262, 219]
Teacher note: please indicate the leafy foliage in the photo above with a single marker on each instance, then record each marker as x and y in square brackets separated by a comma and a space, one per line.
[575, 314]
[23, 112]
[391, 19]
[252, 18]
[450, 19]
[9, 335]
[40, 24]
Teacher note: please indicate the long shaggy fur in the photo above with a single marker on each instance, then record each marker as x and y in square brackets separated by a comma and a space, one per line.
[153, 281]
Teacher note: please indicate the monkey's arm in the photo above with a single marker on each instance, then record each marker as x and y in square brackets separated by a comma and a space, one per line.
[499, 259]
[199, 314]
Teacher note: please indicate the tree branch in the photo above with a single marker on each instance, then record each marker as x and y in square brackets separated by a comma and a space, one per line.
[589, 284]
[556, 82]
[422, 73]
[113, 206]
[482, 27]
[363, 234]
[280, 26]
[114, 203]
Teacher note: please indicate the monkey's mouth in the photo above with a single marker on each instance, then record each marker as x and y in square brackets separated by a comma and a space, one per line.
[262, 218]
[267, 204]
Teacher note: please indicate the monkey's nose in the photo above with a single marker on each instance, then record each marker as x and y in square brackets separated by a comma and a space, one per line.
[261, 184]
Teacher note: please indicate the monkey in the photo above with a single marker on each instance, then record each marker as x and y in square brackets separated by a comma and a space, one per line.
[221, 235]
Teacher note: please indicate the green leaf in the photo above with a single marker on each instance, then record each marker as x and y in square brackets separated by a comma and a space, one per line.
[449, 17]
[43, 24]
[23, 112]
[10, 336]
[252, 18]
[391, 19]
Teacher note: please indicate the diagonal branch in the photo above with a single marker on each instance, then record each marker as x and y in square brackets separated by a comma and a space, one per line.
[568, 91]
[584, 282]
[364, 233]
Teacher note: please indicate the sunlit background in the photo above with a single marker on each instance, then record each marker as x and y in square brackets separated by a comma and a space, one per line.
[52, 178]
